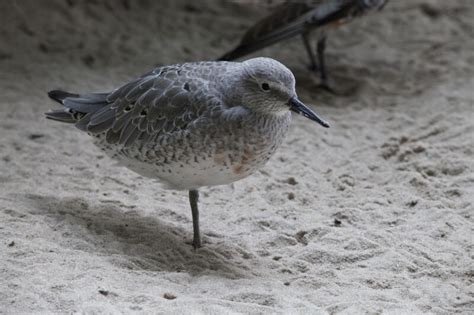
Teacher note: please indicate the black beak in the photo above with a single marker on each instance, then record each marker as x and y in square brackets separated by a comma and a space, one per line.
[298, 107]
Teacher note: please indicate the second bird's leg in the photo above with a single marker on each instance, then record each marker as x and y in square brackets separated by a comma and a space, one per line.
[320, 48]
[312, 57]
[193, 201]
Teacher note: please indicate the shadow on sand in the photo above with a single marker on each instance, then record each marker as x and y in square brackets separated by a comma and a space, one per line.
[137, 242]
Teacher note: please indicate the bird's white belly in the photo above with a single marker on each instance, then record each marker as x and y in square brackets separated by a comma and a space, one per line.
[219, 169]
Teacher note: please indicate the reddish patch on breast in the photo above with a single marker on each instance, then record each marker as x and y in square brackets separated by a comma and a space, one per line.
[338, 23]
[247, 158]
[237, 169]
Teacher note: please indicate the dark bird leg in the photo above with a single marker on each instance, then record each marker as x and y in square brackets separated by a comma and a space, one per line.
[320, 48]
[312, 58]
[320, 65]
[193, 201]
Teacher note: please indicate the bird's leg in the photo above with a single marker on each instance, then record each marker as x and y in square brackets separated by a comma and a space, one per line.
[320, 48]
[312, 59]
[193, 201]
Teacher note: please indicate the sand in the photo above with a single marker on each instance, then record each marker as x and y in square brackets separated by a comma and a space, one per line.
[371, 216]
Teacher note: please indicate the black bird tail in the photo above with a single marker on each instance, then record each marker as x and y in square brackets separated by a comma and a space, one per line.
[59, 96]
[76, 106]
[238, 52]
[226, 57]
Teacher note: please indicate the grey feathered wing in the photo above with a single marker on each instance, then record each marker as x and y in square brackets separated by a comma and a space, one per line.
[159, 102]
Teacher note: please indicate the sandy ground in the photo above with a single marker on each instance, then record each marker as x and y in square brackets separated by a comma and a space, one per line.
[374, 215]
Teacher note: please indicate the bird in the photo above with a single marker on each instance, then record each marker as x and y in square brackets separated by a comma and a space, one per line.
[301, 18]
[191, 125]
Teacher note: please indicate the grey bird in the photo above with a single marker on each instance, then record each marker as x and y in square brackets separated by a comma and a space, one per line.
[191, 125]
[301, 18]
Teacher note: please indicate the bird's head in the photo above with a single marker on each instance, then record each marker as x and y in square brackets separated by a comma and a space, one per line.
[267, 86]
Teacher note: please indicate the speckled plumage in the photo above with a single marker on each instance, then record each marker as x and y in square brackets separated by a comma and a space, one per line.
[203, 155]
[191, 125]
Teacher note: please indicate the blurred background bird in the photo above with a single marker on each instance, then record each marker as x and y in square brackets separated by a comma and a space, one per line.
[294, 18]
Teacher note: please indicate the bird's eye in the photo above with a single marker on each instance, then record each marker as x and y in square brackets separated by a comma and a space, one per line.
[265, 87]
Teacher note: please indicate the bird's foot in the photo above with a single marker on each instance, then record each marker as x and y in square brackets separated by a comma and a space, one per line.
[324, 85]
[195, 244]
[339, 86]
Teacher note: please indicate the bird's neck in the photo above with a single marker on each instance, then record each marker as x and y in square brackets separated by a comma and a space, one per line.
[227, 83]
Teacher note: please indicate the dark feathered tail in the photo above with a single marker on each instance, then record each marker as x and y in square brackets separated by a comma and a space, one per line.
[59, 96]
[235, 54]
[76, 106]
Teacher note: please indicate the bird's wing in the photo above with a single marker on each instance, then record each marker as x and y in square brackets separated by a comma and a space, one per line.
[288, 20]
[163, 101]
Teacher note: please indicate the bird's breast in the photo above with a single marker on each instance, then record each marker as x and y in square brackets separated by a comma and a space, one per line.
[212, 154]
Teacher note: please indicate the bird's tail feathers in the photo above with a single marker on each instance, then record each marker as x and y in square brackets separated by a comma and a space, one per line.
[76, 105]
[65, 115]
[59, 96]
